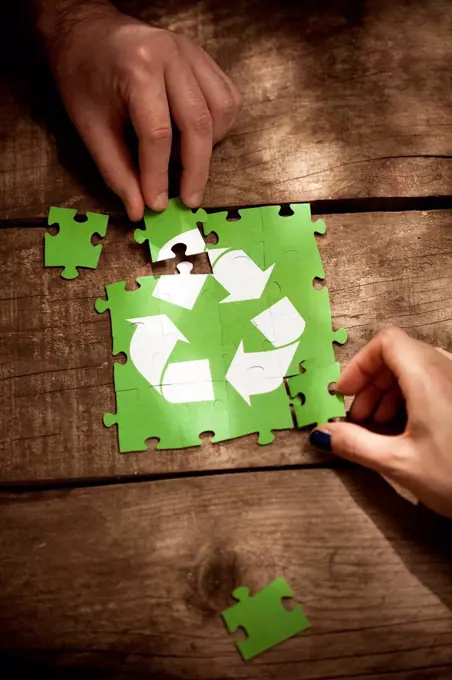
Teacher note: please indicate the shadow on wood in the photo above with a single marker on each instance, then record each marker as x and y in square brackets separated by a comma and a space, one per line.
[415, 533]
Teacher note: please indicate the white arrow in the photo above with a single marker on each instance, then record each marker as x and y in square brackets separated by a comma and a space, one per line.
[259, 372]
[237, 272]
[183, 289]
[152, 343]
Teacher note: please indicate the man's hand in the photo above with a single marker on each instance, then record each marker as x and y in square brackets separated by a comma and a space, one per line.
[391, 372]
[111, 68]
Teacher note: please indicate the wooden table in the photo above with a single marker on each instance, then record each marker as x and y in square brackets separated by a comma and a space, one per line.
[117, 566]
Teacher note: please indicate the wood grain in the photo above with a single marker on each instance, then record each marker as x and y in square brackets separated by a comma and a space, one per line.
[129, 580]
[56, 364]
[343, 99]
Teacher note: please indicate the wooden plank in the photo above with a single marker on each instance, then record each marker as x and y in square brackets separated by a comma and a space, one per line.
[130, 579]
[56, 365]
[342, 100]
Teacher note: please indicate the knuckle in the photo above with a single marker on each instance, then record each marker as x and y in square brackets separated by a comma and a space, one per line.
[146, 53]
[390, 335]
[160, 133]
[228, 108]
[141, 53]
[202, 122]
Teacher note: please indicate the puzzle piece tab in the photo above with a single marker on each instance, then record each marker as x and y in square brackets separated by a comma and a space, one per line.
[263, 617]
[319, 405]
[72, 247]
[175, 225]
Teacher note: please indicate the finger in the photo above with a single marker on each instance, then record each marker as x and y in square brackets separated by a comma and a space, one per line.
[387, 455]
[191, 115]
[444, 352]
[106, 144]
[389, 406]
[150, 117]
[365, 403]
[391, 351]
[221, 95]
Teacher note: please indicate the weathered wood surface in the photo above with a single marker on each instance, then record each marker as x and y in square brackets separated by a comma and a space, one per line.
[343, 99]
[56, 364]
[129, 580]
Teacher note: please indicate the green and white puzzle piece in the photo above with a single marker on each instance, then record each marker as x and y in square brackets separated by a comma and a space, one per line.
[266, 622]
[175, 225]
[318, 404]
[72, 247]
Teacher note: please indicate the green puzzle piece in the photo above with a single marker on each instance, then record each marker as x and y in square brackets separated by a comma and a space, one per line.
[72, 247]
[319, 406]
[177, 224]
[263, 617]
[222, 330]
[244, 233]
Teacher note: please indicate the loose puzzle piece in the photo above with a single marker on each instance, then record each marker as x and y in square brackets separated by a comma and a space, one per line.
[72, 247]
[264, 618]
[175, 225]
[319, 404]
[209, 353]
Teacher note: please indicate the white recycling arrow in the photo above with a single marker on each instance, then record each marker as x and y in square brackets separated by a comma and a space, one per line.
[239, 274]
[259, 372]
[183, 289]
[152, 343]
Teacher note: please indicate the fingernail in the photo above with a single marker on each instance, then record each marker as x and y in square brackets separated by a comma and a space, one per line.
[321, 439]
[194, 200]
[160, 202]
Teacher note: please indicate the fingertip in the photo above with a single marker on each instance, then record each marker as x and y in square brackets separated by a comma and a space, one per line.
[321, 438]
[192, 200]
[159, 203]
[134, 209]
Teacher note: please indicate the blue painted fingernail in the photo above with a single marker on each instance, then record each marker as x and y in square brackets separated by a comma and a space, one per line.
[321, 439]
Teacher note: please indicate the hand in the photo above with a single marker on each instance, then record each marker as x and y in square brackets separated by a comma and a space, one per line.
[391, 372]
[111, 68]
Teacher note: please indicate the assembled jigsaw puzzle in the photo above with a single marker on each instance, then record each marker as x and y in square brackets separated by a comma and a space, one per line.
[232, 352]
[71, 247]
[263, 617]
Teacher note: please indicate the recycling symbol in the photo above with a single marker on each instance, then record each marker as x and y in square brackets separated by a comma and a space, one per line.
[249, 373]
[221, 353]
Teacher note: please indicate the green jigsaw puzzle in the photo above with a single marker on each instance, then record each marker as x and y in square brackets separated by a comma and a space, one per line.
[222, 353]
[175, 225]
[72, 247]
[266, 622]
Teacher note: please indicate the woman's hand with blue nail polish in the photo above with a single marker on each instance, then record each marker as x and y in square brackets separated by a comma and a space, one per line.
[395, 373]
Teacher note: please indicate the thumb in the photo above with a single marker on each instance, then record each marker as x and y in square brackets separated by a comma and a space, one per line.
[379, 452]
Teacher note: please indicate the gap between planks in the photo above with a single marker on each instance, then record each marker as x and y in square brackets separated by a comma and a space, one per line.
[320, 207]
[52, 485]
